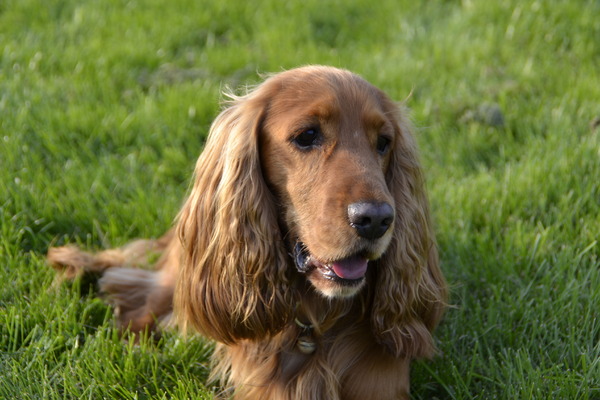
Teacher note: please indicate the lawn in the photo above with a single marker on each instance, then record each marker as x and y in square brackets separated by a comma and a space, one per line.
[105, 105]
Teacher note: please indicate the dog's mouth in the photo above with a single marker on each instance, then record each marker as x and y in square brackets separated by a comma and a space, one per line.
[348, 271]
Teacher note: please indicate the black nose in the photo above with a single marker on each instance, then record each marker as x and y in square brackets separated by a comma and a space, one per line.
[371, 220]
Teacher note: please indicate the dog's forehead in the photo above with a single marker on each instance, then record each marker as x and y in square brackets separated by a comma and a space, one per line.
[324, 97]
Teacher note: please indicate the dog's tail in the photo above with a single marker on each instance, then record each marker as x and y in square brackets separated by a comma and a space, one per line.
[138, 279]
[71, 262]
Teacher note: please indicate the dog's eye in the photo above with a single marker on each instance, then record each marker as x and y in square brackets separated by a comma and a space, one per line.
[383, 144]
[307, 138]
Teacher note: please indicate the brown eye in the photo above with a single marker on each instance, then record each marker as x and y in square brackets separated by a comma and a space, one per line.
[307, 138]
[383, 144]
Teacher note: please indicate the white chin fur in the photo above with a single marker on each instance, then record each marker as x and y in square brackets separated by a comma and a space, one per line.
[340, 291]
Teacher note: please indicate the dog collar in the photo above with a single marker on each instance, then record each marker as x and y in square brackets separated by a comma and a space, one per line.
[306, 343]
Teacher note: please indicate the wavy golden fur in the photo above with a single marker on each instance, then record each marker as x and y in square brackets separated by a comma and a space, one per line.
[305, 247]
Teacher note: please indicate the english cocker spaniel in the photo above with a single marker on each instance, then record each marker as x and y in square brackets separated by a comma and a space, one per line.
[305, 248]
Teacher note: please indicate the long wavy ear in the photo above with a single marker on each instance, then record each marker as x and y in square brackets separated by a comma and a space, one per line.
[410, 291]
[232, 282]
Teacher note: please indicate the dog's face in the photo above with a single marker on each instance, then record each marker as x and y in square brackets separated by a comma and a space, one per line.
[326, 143]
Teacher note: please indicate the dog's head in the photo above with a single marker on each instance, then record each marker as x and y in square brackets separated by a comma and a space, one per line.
[326, 145]
[313, 174]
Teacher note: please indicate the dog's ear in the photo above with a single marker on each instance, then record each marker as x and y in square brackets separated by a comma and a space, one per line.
[233, 282]
[410, 291]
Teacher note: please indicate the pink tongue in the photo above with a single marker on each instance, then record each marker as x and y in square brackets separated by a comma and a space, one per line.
[350, 268]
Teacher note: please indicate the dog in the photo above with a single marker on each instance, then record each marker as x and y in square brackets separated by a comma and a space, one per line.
[304, 249]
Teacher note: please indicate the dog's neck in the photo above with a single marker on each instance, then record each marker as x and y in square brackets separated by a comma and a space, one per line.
[317, 316]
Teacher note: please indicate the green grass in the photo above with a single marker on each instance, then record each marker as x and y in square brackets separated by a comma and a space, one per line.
[104, 106]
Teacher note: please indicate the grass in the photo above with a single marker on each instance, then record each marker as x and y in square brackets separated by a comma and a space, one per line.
[104, 106]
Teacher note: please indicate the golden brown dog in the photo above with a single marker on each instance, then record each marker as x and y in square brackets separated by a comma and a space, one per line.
[305, 247]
